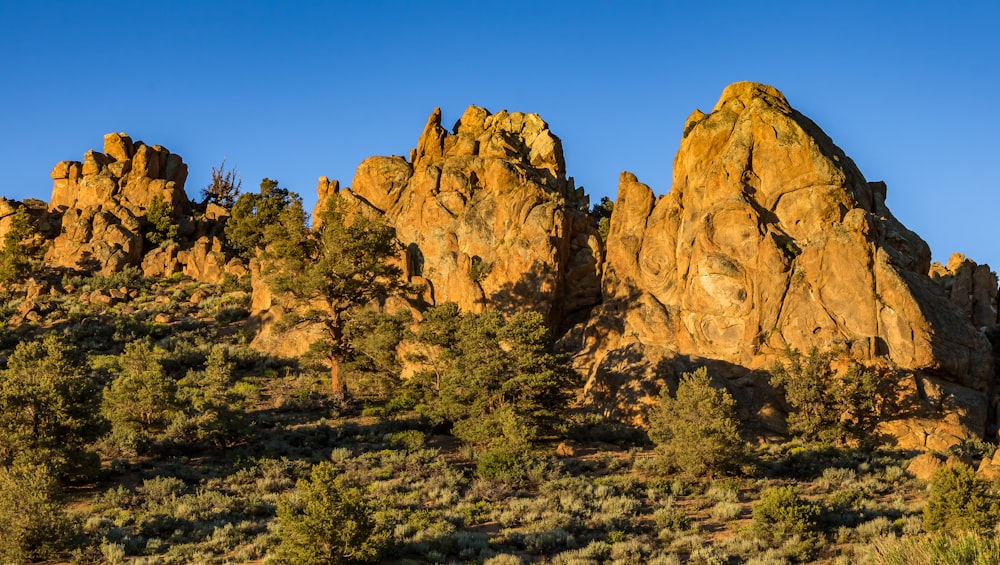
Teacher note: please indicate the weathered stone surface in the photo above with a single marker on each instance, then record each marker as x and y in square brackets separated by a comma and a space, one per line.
[970, 287]
[487, 216]
[771, 238]
[103, 200]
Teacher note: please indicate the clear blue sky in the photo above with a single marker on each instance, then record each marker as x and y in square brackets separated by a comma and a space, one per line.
[296, 90]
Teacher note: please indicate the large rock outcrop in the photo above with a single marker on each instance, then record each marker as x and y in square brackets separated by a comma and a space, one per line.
[487, 216]
[771, 238]
[103, 200]
[972, 288]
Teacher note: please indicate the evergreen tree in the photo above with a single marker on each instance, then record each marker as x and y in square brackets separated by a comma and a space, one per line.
[346, 265]
[141, 397]
[696, 430]
[161, 225]
[494, 379]
[33, 524]
[15, 256]
[827, 406]
[49, 406]
[252, 214]
[328, 520]
[960, 501]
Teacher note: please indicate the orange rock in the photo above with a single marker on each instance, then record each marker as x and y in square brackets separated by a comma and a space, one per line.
[771, 238]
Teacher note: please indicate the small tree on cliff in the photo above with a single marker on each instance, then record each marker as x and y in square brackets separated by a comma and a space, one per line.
[343, 264]
[224, 188]
[15, 257]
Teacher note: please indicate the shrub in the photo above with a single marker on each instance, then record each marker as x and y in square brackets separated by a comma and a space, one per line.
[669, 517]
[696, 430]
[161, 224]
[781, 513]
[511, 466]
[32, 522]
[328, 520]
[945, 549]
[959, 501]
[827, 406]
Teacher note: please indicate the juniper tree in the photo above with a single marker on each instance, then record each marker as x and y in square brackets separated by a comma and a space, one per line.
[15, 256]
[495, 379]
[696, 430]
[346, 263]
[49, 405]
[252, 214]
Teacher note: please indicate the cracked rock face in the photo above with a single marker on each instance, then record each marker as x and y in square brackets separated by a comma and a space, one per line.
[771, 238]
[487, 216]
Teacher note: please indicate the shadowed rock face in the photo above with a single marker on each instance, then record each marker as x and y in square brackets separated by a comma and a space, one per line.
[487, 216]
[771, 238]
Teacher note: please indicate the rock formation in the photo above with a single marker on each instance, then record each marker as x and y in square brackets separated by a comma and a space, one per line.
[771, 238]
[102, 202]
[487, 216]
[970, 287]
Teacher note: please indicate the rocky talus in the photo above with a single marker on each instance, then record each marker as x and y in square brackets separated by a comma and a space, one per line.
[771, 238]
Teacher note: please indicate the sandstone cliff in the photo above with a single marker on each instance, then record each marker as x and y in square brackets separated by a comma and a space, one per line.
[771, 238]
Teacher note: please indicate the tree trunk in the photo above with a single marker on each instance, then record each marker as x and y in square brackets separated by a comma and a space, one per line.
[338, 388]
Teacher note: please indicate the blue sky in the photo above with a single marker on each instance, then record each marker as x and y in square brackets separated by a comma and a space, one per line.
[296, 90]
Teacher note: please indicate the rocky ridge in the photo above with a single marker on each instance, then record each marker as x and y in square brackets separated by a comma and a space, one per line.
[488, 216]
[770, 238]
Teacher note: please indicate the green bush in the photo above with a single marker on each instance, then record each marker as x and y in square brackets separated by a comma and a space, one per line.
[510, 466]
[696, 430]
[33, 524]
[960, 501]
[669, 517]
[161, 226]
[827, 406]
[328, 520]
[781, 513]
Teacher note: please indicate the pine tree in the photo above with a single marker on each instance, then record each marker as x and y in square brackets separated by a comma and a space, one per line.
[346, 264]
[696, 430]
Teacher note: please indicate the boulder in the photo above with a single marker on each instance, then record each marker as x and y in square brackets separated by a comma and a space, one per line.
[924, 466]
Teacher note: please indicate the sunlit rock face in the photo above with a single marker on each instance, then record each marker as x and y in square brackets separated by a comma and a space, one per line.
[102, 201]
[487, 216]
[103, 198]
[771, 238]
